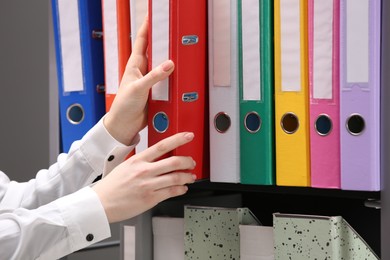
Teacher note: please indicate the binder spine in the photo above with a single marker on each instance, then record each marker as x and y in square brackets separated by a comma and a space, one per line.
[291, 94]
[256, 95]
[360, 94]
[180, 104]
[82, 107]
[223, 92]
[324, 51]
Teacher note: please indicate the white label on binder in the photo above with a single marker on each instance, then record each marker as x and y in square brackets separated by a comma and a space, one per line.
[322, 49]
[221, 43]
[251, 50]
[138, 9]
[160, 45]
[290, 45]
[110, 38]
[72, 69]
[357, 40]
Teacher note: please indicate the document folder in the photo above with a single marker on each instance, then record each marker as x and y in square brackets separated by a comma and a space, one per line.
[116, 30]
[307, 237]
[256, 93]
[177, 104]
[223, 92]
[324, 80]
[291, 93]
[360, 94]
[80, 68]
[138, 12]
[117, 46]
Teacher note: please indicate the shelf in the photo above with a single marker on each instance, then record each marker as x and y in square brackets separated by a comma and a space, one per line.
[216, 186]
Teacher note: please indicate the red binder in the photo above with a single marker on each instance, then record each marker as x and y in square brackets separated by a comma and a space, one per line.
[117, 46]
[177, 31]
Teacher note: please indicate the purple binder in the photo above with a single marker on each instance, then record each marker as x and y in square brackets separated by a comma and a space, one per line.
[360, 94]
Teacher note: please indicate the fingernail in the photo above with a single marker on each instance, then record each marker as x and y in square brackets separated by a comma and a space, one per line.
[189, 136]
[167, 66]
[194, 177]
[194, 163]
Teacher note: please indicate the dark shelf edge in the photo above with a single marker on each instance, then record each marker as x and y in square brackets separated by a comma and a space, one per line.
[309, 191]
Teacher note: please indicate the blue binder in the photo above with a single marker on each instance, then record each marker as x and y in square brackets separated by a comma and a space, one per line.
[80, 66]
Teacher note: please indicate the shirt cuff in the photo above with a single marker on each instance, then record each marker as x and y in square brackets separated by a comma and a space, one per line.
[103, 151]
[84, 217]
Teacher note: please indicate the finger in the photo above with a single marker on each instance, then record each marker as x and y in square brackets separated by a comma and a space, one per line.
[166, 145]
[156, 75]
[138, 54]
[141, 40]
[171, 164]
[172, 179]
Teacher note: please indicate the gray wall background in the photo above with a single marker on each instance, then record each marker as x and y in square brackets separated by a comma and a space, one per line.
[29, 132]
[28, 121]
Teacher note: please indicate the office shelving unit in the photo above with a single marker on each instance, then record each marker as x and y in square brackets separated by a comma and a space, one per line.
[367, 212]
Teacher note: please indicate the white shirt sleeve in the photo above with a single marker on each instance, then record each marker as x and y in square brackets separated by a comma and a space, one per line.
[53, 230]
[38, 220]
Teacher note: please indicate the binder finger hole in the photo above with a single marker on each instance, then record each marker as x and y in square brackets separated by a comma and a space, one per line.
[323, 125]
[289, 123]
[252, 122]
[75, 114]
[222, 122]
[355, 124]
[160, 122]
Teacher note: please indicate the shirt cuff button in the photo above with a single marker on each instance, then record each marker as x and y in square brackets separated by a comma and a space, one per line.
[89, 237]
[111, 157]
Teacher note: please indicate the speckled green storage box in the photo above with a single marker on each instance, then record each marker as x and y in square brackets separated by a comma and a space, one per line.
[214, 233]
[301, 237]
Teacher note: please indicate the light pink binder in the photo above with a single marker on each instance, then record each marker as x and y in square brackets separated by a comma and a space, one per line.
[324, 21]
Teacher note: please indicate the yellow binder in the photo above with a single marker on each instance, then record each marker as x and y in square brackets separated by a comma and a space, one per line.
[291, 93]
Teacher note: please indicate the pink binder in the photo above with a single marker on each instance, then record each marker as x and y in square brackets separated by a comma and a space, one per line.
[324, 20]
[360, 94]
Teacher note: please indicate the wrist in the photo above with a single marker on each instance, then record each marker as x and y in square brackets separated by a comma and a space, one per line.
[120, 133]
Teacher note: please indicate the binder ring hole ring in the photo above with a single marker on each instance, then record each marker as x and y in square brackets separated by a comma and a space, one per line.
[289, 123]
[222, 122]
[75, 114]
[355, 124]
[252, 122]
[323, 125]
[160, 122]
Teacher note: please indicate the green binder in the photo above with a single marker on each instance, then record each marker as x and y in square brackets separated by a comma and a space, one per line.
[257, 139]
[214, 233]
[310, 237]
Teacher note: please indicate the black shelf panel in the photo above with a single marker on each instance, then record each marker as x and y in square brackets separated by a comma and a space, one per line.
[217, 186]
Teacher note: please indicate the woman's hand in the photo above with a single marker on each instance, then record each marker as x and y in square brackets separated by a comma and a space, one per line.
[128, 113]
[142, 181]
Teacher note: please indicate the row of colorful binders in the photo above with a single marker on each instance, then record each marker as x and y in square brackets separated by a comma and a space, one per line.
[235, 233]
[296, 84]
[282, 92]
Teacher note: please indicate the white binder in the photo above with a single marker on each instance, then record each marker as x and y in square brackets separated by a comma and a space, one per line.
[224, 92]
